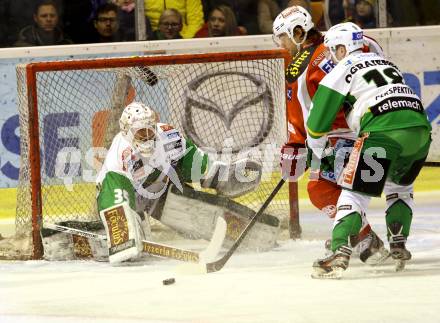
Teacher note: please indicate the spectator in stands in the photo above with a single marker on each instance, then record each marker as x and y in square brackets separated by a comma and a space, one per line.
[414, 12]
[338, 11]
[3, 26]
[127, 20]
[107, 24]
[429, 11]
[245, 12]
[45, 30]
[191, 11]
[268, 10]
[221, 23]
[78, 18]
[170, 25]
[14, 16]
[364, 14]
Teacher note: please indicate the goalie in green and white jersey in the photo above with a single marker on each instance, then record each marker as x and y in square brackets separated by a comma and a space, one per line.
[393, 142]
[145, 157]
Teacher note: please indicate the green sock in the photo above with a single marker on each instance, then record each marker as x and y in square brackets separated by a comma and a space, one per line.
[347, 226]
[401, 213]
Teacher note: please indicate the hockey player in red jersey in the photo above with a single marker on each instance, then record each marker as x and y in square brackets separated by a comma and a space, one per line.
[293, 30]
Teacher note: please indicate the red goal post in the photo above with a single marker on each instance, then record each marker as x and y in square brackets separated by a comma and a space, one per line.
[69, 112]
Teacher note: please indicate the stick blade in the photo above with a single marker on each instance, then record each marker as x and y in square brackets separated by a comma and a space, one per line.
[211, 252]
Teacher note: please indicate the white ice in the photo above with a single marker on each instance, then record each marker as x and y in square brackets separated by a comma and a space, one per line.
[265, 287]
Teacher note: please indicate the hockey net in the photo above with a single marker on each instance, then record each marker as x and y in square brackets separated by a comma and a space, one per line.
[69, 113]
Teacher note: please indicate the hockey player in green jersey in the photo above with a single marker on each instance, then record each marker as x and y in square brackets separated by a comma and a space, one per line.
[145, 157]
[392, 145]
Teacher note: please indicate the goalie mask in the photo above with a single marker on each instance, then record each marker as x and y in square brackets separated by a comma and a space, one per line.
[347, 34]
[287, 20]
[138, 126]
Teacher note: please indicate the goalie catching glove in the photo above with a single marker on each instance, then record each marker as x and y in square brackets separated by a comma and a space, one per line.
[234, 179]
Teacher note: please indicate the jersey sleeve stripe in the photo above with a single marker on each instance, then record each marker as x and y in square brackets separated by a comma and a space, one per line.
[314, 134]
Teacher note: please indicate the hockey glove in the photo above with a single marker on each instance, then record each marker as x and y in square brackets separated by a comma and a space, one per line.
[293, 161]
[318, 156]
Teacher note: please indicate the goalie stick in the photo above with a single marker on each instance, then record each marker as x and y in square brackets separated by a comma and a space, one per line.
[219, 264]
[158, 249]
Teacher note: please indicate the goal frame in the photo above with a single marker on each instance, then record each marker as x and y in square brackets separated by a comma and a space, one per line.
[31, 71]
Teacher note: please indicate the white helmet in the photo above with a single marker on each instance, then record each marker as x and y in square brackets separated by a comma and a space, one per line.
[348, 34]
[290, 18]
[138, 126]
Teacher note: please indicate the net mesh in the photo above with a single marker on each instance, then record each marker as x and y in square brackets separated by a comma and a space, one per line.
[230, 106]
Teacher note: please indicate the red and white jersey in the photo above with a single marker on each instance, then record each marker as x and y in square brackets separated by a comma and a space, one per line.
[303, 76]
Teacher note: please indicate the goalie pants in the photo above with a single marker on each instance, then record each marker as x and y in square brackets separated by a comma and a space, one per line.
[117, 188]
[380, 161]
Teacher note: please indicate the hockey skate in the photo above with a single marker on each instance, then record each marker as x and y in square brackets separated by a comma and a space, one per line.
[372, 251]
[332, 266]
[398, 250]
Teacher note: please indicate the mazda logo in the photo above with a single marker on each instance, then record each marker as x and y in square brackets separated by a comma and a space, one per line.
[228, 105]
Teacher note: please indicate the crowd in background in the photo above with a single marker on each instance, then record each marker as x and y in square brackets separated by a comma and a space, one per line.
[57, 22]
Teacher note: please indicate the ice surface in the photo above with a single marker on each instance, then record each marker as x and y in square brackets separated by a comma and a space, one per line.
[265, 287]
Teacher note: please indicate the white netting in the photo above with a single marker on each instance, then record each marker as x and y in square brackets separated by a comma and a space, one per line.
[210, 102]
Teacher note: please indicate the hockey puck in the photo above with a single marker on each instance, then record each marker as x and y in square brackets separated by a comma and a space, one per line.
[168, 281]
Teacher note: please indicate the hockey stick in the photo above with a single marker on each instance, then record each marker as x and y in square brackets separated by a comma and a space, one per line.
[158, 249]
[218, 264]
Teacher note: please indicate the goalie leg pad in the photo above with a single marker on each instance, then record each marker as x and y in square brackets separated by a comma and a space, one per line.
[124, 233]
[65, 246]
[235, 179]
[195, 214]
[99, 249]
[190, 216]
[57, 245]
[262, 237]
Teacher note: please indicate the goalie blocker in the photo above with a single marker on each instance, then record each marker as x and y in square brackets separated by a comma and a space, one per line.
[194, 213]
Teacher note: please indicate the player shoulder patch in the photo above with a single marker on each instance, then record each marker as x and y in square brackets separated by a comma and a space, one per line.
[322, 61]
[167, 131]
[299, 64]
[326, 65]
[320, 57]
[166, 127]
